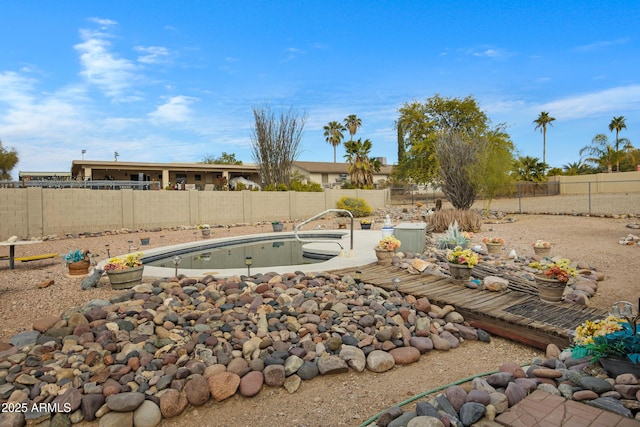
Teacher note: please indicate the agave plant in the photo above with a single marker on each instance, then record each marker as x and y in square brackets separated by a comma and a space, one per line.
[452, 237]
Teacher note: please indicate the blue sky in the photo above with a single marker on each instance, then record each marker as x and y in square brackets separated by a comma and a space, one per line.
[173, 81]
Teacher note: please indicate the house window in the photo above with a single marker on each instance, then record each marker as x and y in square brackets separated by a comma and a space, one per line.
[198, 177]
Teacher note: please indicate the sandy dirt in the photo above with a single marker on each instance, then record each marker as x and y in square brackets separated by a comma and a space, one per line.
[342, 400]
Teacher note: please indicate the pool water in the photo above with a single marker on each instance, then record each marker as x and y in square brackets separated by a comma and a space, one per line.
[263, 253]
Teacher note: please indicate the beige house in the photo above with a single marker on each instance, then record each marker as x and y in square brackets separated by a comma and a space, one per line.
[199, 176]
[333, 174]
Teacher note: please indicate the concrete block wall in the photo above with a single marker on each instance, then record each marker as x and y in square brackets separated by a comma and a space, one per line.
[37, 212]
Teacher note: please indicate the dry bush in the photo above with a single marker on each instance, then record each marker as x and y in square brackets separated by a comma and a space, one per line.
[467, 220]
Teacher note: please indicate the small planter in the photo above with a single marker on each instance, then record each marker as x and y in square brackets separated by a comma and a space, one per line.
[494, 248]
[384, 256]
[365, 226]
[550, 290]
[125, 279]
[144, 241]
[79, 268]
[617, 366]
[460, 272]
[277, 226]
[542, 251]
[206, 232]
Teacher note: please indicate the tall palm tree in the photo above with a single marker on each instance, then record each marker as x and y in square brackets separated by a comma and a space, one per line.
[352, 122]
[333, 135]
[541, 122]
[617, 124]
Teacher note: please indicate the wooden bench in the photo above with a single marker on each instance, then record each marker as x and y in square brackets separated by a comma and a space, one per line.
[30, 258]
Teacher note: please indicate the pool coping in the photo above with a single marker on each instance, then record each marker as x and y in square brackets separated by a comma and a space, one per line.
[362, 254]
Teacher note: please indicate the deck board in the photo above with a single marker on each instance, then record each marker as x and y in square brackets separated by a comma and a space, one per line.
[516, 313]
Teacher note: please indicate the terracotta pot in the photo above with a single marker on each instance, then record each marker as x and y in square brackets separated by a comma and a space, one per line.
[125, 279]
[542, 251]
[550, 290]
[460, 272]
[384, 256]
[206, 232]
[494, 248]
[79, 268]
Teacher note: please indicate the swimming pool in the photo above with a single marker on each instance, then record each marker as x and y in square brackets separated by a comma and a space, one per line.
[363, 253]
[263, 251]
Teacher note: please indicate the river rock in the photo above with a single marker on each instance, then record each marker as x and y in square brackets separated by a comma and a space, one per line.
[147, 415]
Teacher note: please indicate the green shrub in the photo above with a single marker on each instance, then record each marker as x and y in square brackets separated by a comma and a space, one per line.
[269, 187]
[358, 207]
[240, 186]
[282, 187]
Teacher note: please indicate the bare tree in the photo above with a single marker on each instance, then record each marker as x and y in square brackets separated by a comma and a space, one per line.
[458, 155]
[275, 143]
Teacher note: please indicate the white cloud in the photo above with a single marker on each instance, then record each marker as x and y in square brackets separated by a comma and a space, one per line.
[100, 67]
[610, 101]
[600, 45]
[176, 109]
[152, 54]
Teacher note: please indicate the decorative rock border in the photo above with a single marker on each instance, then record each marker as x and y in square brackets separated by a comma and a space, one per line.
[148, 353]
[483, 399]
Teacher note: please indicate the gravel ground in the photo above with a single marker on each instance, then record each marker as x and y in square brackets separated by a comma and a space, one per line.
[343, 400]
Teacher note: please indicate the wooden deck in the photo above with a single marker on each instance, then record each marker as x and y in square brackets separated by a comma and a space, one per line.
[517, 313]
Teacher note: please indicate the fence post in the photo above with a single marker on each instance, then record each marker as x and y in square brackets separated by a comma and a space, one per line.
[519, 199]
[589, 197]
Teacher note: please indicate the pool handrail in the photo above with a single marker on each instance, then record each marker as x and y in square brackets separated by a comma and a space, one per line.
[297, 227]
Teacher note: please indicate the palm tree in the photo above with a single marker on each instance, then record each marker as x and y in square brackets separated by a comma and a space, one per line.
[352, 123]
[333, 135]
[541, 122]
[529, 168]
[361, 166]
[601, 152]
[617, 124]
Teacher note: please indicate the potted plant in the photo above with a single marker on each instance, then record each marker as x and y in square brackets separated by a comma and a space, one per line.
[461, 262]
[144, 241]
[542, 247]
[125, 271]
[366, 224]
[385, 249]
[453, 237]
[553, 278]
[277, 225]
[205, 229]
[494, 244]
[77, 262]
[613, 341]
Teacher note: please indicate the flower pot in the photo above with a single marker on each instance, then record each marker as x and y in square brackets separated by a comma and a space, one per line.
[494, 248]
[206, 232]
[79, 268]
[454, 245]
[384, 256]
[550, 290]
[127, 278]
[617, 366]
[144, 241]
[365, 226]
[460, 272]
[277, 227]
[542, 251]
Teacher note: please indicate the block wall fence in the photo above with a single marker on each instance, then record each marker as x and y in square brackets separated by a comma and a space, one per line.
[36, 212]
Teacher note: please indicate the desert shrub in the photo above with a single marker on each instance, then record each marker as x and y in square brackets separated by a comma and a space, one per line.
[358, 207]
[309, 187]
[240, 186]
[269, 187]
[282, 187]
[467, 220]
